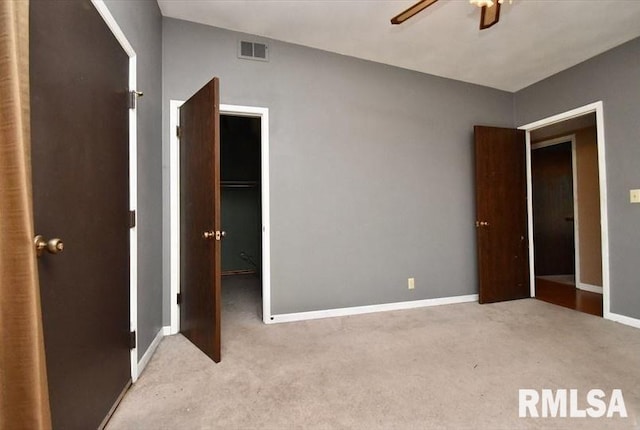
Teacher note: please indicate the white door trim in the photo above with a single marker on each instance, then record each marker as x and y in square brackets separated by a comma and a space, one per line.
[174, 203]
[596, 107]
[574, 173]
[174, 213]
[111, 22]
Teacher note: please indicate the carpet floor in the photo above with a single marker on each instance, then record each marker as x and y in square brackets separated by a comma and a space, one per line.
[453, 366]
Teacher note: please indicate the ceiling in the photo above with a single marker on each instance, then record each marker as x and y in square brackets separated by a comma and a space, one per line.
[533, 40]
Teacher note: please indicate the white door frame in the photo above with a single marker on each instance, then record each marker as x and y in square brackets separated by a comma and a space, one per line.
[174, 203]
[596, 108]
[574, 173]
[111, 22]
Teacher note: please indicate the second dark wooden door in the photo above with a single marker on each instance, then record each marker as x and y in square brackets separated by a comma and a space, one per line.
[501, 214]
[553, 223]
[79, 76]
[200, 232]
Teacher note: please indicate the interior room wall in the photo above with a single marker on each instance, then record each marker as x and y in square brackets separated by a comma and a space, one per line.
[141, 23]
[371, 167]
[612, 78]
[588, 188]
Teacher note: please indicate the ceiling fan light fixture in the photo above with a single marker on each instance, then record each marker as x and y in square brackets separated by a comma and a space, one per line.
[418, 7]
[490, 11]
[482, 3]
[487, 3]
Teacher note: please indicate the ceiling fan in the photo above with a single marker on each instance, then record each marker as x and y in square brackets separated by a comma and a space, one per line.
[490, 11]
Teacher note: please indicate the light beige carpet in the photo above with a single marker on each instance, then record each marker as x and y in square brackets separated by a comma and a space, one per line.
[454, 366]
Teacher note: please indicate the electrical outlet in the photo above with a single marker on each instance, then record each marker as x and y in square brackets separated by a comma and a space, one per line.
[634, 196]
[411, 283]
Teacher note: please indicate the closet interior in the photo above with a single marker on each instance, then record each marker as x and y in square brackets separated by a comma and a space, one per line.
[240, 176]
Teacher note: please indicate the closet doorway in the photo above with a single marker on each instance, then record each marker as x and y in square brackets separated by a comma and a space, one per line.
[261, 115]
[241, 212]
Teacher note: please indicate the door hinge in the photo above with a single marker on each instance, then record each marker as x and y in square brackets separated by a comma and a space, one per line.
[132, 219]
[179, 298]
[178, 131]
[132, 340]
[133, 99]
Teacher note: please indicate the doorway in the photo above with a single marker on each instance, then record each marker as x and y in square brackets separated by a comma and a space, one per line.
[240, 205]
[564, 174]
[262, 114]
[567, 210]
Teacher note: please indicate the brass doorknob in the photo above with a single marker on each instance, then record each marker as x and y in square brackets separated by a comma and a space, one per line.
[52, 246]
[217, 235]
[55, 245]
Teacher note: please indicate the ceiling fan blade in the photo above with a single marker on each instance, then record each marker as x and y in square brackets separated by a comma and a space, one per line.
[490, 16]
[421, 5]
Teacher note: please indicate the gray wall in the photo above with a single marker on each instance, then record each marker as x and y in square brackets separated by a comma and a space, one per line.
[371, 167]
[141, 22]
[614, 78]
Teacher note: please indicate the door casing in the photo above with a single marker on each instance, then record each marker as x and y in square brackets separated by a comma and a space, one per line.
[111, 22]
[596, 108]
[174, 204]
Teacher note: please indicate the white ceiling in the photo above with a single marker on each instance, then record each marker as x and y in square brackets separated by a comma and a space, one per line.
[533, 40]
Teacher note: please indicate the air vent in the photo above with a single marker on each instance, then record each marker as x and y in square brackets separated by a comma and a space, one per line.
[253, 51]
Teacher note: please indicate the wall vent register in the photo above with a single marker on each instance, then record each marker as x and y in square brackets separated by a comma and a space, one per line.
[253, 51]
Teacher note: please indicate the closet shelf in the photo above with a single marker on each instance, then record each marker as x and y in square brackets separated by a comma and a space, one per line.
[238, 184]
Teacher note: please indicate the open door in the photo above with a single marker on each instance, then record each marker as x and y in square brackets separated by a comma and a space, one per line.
[501, 214]
[200, 233]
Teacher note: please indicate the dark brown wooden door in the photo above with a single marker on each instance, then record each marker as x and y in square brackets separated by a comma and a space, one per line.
[501, 214]
[80, 163]
[200, 232]
[553, 229]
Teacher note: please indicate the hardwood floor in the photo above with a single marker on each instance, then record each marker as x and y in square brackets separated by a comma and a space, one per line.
[569, 296]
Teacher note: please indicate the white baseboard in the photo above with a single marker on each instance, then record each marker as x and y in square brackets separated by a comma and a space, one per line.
[623, 319]
[357, 310]
[152, 349]
[588, 287]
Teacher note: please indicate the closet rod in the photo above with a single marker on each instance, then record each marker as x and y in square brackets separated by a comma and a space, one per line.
[238, 184]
